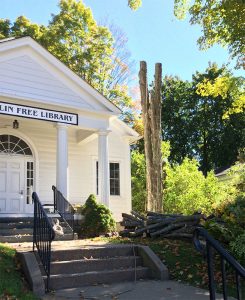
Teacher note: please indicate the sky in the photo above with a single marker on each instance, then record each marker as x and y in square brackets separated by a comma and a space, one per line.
[154, 34]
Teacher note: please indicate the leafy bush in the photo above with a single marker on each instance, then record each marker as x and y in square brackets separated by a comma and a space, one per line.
[234, 210]
[138, 171]
[97, 218]
[187, 190]
[225, 232]
[238, 247]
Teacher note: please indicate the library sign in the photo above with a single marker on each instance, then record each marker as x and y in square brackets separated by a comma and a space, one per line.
[38, 113]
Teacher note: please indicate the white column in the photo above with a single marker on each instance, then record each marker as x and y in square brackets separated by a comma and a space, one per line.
[62, 159]
[103, 159]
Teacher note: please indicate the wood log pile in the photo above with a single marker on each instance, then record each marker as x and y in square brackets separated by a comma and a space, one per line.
[160, 225]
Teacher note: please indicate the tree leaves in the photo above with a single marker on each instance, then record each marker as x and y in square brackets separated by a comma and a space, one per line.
[194, 117]
[134, 4]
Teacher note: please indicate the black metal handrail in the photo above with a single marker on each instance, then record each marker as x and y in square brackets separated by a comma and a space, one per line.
[206, 249]
[64, 208]
[43, 235]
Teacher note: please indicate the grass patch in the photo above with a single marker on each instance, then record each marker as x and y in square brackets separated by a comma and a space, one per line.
[185, 264]
[12, 283]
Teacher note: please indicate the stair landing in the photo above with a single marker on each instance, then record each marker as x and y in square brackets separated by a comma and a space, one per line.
[19, 230]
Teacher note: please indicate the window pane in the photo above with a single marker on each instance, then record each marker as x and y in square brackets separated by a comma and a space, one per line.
[114, 179]
[97, 178]
[13, 145]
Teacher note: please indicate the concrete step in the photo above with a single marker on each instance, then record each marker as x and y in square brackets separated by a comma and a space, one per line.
[85, 265]
[15, 238]
[95, 252]
[20, 238]
[16, 220]
[96, 277]
[66, 237]
[16, 231]
[17, 225]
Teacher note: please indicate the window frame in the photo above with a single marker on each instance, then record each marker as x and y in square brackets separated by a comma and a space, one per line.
[115, 161]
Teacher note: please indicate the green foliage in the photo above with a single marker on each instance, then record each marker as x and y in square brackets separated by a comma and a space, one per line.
[231, 214]
[12, 285]
[188, 191]
[221, 23]
[138, 178]
[238, 247]
[134, 4]
[225, 86]
[98, 218]
[194, 122]
[234, 211]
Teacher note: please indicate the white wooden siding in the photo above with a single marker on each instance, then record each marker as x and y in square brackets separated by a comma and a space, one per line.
[22, 76]
[82, 175]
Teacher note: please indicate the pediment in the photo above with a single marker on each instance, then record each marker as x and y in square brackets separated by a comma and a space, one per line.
[30, 72]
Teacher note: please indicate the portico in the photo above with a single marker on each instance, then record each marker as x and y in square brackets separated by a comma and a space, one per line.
[75, 138]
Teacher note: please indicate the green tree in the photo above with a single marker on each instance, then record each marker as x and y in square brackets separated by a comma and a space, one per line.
[222, 22]
[195, 124]
[74, 37]
[186, 190]
[177, 117]
[218, 139]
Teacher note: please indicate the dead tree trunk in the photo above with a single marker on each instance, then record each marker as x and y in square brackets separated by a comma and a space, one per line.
[151, 112]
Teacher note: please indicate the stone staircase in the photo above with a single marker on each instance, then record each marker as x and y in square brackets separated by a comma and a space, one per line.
[18, 230]
[103, 265]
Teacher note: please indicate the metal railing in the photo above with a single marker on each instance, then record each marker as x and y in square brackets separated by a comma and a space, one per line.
[64, 208]
[207, 249]
[43, 235]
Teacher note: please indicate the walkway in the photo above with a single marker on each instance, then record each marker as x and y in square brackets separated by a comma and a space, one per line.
[141, 290]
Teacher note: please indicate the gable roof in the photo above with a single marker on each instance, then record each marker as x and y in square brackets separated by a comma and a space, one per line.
[77, 93]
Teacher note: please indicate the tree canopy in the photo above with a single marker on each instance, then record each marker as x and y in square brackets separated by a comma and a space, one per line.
[74, 37]
[222, 22]
[195, 125]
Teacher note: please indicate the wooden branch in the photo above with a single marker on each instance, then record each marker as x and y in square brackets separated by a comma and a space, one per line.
[167, 229]
[137, 215]
[178, 235]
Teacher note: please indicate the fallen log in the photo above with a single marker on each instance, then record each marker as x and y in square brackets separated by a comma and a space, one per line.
[189, 218]
[154, 214]
[156, 224]
[130, 217]
[130, 223]
[178, 235]
[167, 229]
[137, 215]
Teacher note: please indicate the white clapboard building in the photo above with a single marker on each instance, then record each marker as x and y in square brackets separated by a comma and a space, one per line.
[55, 129]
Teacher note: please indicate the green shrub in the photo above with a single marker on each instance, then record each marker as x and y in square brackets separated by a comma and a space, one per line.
[225, 232]
[238, 247]
[234, 210]
[97, 218]
[188, 191]
[138, 177]
[138, 181]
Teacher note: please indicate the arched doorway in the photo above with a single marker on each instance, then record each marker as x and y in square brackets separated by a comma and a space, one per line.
[16, 175]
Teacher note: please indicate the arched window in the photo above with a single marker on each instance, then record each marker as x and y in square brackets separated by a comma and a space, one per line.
[10, 144]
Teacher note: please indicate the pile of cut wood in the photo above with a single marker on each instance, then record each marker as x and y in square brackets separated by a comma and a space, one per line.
[156, 224]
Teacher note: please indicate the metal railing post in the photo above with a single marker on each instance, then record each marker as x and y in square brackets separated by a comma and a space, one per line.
[43, 235]
[210, 244]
